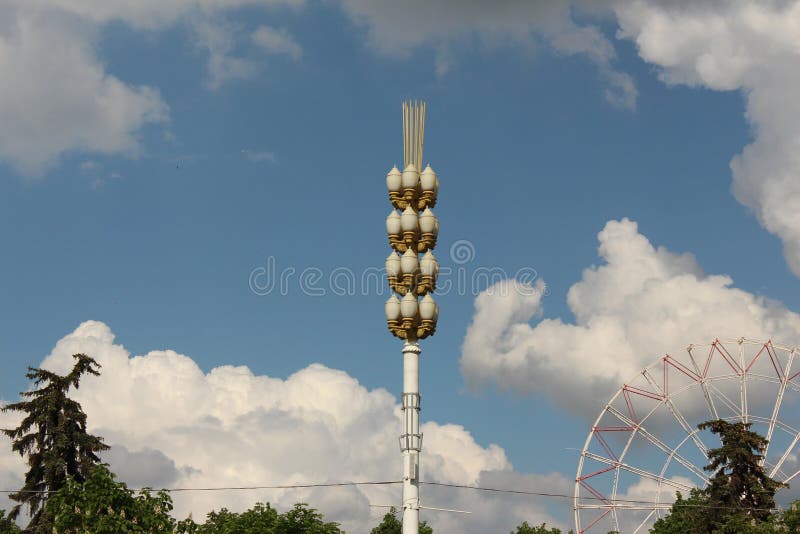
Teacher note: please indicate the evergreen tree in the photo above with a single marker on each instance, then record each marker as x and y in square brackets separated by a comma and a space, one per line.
[739, 496]
[53, 436]
[7, 526]
[739, 482]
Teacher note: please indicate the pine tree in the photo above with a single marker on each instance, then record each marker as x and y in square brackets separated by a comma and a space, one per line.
[739, 496]
[739, 482]
[53, 436]
[7, 526]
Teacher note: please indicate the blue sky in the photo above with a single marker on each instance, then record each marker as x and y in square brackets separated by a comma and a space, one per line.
[286, 157]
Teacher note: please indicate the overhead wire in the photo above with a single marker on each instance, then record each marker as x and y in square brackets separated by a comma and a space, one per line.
[438, 484]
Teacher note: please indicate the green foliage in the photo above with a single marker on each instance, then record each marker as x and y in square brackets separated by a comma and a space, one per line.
[389, 525]
[791, 517]
[262, 519]
[525, 528]
[685, 517]
[7, 526]
[101, 505]
[52, 435]
[739, 481]
[739, 496]
[392, 525]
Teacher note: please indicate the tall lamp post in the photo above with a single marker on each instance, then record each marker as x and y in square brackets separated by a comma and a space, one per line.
[412, 230]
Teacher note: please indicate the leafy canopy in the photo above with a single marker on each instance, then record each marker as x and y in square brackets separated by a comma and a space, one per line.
[392, 525]
[101, 504]
[525, 528]
[262, 519]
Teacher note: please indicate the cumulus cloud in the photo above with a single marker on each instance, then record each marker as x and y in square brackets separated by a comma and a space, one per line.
[218, 39]
[748, 46]
[277, 41]
[397, 28]
[641, 302]
[145, 467]
[58, 95]
[753, 47]
[147, 14]
[169, 423]
[11, 474]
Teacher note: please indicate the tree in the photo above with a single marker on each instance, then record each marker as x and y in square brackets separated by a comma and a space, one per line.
[525, 528]
[101, 504]
[52, 435]
[262, 519]
[739, 482]
[739, 496]
[791, 517]
[7, 526]
[392, 525]
[685, 517]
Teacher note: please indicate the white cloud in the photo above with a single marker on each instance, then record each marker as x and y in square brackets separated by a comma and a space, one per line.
[170, 423]
[277, 41]
[147, 14]
[749, 46]
[218, 39]
[221, 39]
[11, 474]
[56, 95]
[397, 28]
[89, 166]
[638, 304]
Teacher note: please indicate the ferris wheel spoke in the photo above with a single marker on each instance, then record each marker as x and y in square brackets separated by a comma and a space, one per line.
[596, 520]
[776, 409]
[785, 455]
[790, 477]
[743, 386]
[677, 414]
[645, 521]
[709, 401]
[673, 453]
[725, 400]
[643, 473]
[773, 419]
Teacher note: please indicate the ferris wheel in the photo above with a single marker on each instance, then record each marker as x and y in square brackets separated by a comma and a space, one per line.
[645, 445]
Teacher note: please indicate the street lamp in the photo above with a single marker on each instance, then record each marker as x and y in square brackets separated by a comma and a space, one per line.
[412, 228]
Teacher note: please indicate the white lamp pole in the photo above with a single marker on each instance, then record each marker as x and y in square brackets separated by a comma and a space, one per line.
[412, 233]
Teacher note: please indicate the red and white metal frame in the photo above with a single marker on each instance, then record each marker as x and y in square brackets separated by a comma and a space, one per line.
[604, 508]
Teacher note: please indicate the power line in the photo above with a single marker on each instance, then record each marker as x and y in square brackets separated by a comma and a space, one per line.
[291, 486]
[242, 488]
[571, 497]
[439, 484]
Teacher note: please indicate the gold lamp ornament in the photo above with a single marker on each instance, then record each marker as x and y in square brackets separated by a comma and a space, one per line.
[412, 228]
